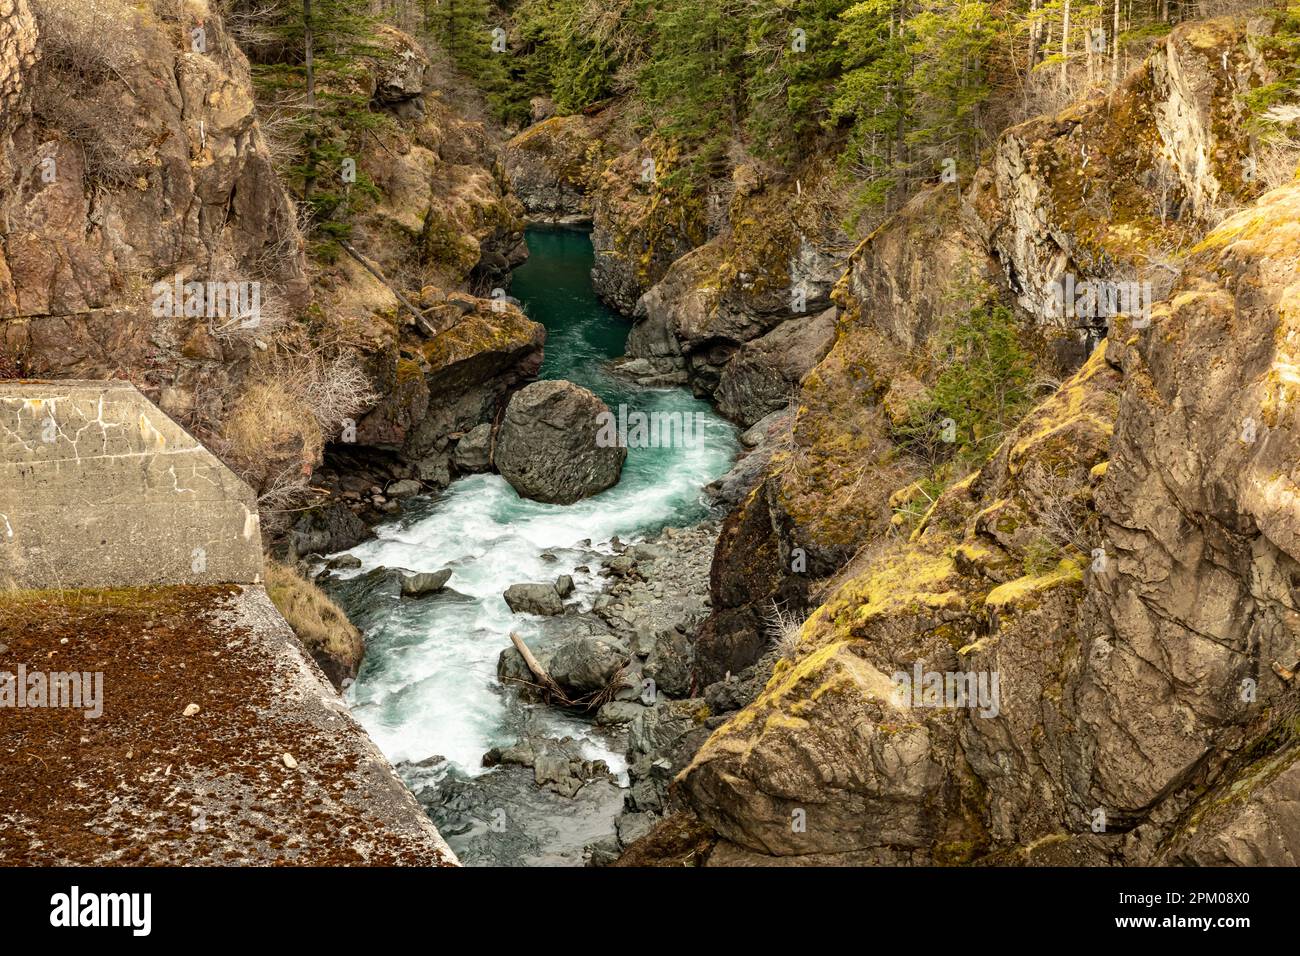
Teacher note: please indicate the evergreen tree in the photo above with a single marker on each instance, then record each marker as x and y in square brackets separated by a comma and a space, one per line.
[692, 82]
[793, 65]
[320, 81]
[874, 98]
[476, 36]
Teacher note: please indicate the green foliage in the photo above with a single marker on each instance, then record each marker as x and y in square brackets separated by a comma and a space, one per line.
[320, 137]
[1041, 555]
[794, 65]
[915, 507]
[982, 389]
[914, 86]
[908, 90]
[474, 33]
[563, 53]
[690, 85]
[702, 71]
[1282, 49]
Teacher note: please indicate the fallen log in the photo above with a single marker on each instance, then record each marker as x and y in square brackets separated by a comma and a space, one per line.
[538, 671]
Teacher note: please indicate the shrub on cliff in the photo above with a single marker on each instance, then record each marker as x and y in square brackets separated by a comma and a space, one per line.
[281, 420]
[83, 44]
[983, 388]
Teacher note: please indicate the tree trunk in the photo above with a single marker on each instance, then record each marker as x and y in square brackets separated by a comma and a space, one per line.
[309, 177]
[1114, 47]
[1035, 32]
[1065, 47]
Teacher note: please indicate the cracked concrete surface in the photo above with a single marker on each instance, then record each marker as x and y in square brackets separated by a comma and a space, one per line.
[99, 488]
[128, 550]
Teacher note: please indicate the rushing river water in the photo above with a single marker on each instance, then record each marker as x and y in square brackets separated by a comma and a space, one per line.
[428, 685]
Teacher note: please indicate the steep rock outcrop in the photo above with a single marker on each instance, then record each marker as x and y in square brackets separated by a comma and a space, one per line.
[1200, 525]
[17, 52]
[828, 487]
[946, 250]
[957, 593]
[1133, 595]
[642, 223]
[772, 263]
[190, 190]
[764, 373]
[1123, 671]
[1108, 188]
[554, 166]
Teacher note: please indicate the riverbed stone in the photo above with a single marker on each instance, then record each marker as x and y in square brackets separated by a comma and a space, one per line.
[589, 663]
[473, 452]
[669, 663]
[534, 599]
[619, 712]
[422, 584]
[633, 826]
[548, 448]
[404, 488]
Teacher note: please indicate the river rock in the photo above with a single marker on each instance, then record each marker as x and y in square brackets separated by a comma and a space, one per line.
[669, 663]
[622, 566]
[633, 826]
[547, 445]
[421, 584]
[326, 530]
[473, 452]
[534, 599]
[404, 488]
[661, 731]
[589, 663]
[564, 585]
[579, 652]
[619, 712]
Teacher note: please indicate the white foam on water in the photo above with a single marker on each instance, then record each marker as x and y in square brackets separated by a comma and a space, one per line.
[429, 685]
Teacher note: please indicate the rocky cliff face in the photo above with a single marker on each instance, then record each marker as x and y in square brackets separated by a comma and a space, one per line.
[757, 290]
[1194, 620]
[17, 52]
[1111, 187]
[135, 160]
[595, 169]
[138, 163]
[554, 165]
[1122, 565]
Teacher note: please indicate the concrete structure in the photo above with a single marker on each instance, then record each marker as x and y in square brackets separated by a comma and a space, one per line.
[130, 562]
[99, 488]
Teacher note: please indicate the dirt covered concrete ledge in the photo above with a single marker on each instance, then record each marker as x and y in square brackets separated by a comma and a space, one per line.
[270, 770]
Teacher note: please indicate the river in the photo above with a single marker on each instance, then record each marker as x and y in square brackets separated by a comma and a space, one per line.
[428, 685]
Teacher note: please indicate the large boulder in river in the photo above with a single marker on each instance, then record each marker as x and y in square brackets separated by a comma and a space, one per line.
[421, 584]
[547, 446]
[578, 651]
[534, 599]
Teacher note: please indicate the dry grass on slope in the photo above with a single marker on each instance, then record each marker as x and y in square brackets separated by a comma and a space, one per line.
[322, 627]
